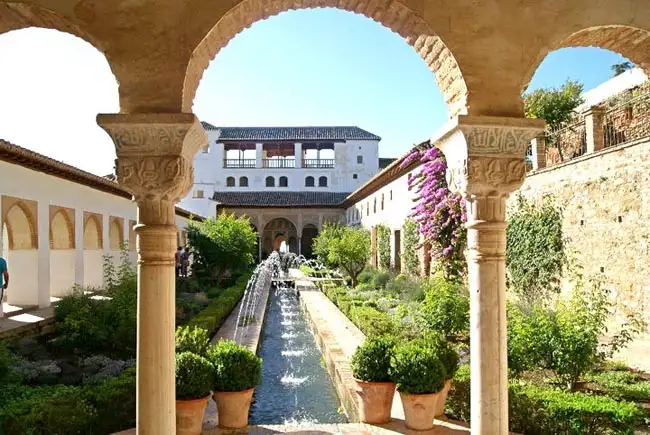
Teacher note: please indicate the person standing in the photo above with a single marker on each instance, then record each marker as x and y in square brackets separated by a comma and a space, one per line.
[4, 282]
[177, 256]
[185, 262]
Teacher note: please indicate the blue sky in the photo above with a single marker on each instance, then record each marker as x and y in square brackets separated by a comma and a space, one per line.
[310, 67]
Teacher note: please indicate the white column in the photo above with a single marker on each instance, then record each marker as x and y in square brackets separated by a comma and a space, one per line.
[259, 247]
[297, 151]
[300, 244]
[43, 228]
[538, 145]
[486, 162]
[106, 238]
[163, 145]
[79, 246]
[125, 232]
[594, 131]
[259, 150]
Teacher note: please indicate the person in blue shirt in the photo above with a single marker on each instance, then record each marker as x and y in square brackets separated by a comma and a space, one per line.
[4, 278]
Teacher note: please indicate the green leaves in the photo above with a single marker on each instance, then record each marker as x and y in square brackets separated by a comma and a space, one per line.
[417, 369]
[235, 367]
[345, 247]
[383, 246]
[409, 254]
[192, 339]
[371, 361]
[193, 376]
[555, 105]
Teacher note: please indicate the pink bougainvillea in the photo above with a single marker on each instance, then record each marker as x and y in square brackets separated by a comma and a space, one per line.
[439, 214]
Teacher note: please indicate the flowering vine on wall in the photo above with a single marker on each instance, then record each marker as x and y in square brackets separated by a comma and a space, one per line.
[439, 213]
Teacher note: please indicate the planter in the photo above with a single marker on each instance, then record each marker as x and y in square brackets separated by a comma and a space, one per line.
[419, 410]
[189, 416]
[233, 407]
[442, 399]
[375, 400]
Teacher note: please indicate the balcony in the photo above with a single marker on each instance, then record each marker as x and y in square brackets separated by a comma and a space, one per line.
[318, 163]
[278, 163]
[239, 163]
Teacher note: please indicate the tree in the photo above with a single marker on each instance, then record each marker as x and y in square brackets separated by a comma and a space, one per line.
[620, 68]
[554, 105]
[349, 251]
[321, 244]
[222, 245]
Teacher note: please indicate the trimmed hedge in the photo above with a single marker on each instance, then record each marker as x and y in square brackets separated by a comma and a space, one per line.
[371, 321]
[371, 361]
[236, 368]
[544, 410]
[220, 307]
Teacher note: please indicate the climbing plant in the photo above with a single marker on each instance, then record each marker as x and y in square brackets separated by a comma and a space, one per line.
[383, 246]
[409, 252]
[535, 251]
[439, 214]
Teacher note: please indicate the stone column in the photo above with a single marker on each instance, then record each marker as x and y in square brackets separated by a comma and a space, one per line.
[259, 155]
[538, 145]
[594, 129]
[154, 162]
[486, 159]
[79, 246]
[43, 229]
[299, 244]
[297, 151]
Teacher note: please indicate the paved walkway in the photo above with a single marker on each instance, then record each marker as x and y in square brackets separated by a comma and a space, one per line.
[22, 322]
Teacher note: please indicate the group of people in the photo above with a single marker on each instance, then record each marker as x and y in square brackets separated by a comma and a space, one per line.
[182, 261]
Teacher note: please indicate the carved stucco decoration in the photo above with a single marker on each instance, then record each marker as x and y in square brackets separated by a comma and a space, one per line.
[155, 152]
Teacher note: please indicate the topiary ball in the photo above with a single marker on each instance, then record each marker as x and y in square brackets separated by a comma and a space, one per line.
[193, 376]
[235, 367]
[192, 339]
[416, 369]
[446, 353]
[371, 361]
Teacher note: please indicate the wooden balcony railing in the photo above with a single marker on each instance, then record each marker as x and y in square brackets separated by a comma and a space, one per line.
[279, 163]
[239, 163]
[318, 163]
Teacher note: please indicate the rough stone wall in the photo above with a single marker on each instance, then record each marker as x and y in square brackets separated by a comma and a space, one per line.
[606, 200]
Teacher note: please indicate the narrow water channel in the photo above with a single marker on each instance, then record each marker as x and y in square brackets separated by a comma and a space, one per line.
[295, 387]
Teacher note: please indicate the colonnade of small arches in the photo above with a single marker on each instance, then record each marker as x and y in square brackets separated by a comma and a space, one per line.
[283, 181]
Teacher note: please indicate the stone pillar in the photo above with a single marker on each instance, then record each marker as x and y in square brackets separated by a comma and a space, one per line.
[297, 151]
[486, 159]
[79, 246]
[43, 229]
[538, 145]
[154, 162]
[373, 246]
[300, 244]
[259, 155]
[594, 129]
[259, 248]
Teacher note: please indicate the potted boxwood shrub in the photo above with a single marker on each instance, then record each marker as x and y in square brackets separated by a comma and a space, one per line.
[449, 359]
[419, 376]
[375, 388]
[237, 371]
[193, 384]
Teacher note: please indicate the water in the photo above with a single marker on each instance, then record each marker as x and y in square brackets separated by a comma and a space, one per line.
[295, 388]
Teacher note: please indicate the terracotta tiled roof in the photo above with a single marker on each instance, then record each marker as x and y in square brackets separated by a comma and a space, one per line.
[290, 133]
[280, 199]
[17, 155]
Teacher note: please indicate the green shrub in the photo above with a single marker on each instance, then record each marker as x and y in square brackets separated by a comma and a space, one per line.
[219, 308]
[371, 361]
[367, 276]
[622, 384]
[308, 271]
[6, 359]
[445, 352]
[194, 376]
[416, 369]
[446, 308]
[406, 287]
[115, 402]
[235, 367]
[192, 339]
[542, 410]
[529, 336]
[383, 246]
[457, 406]
[59, 410]
[371, 321]
[381, 279]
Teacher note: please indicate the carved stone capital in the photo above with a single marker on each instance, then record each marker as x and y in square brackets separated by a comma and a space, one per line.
[155, 152]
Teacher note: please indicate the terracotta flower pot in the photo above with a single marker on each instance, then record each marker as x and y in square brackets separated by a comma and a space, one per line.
[375, 401]
[419, 410]
[233, 407]
[442, 398]
[189, 415]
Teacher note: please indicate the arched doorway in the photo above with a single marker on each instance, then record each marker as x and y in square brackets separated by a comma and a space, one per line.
[20, 249]
[277, 231]
[309, 233]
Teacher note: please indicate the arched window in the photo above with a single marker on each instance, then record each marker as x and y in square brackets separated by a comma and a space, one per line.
[322, 182]
[270, 182]
[284, 181]
[309, 181]
[230, 182]
[243, 181]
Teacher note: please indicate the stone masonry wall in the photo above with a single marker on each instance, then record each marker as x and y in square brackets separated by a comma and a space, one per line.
[606, 200]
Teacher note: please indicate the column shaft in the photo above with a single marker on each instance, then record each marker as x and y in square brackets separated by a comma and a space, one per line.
[43, 228]
[79, 246]
[594, 129]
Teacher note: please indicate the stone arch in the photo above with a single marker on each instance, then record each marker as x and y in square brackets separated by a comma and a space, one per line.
[243, 181]
[230, 182]
[309, 233]
[278, 230]
[61, 228]
[115, 233]
[393, 15]
[322, 181]
[269, 181]
[93, 238]
[631, 42]
[309, 181]
[21, 225]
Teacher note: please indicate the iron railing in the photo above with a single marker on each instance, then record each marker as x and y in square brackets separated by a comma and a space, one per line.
[278, 163]
[566, 143]
[318, 163]
[239, 163]
[627, 121]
